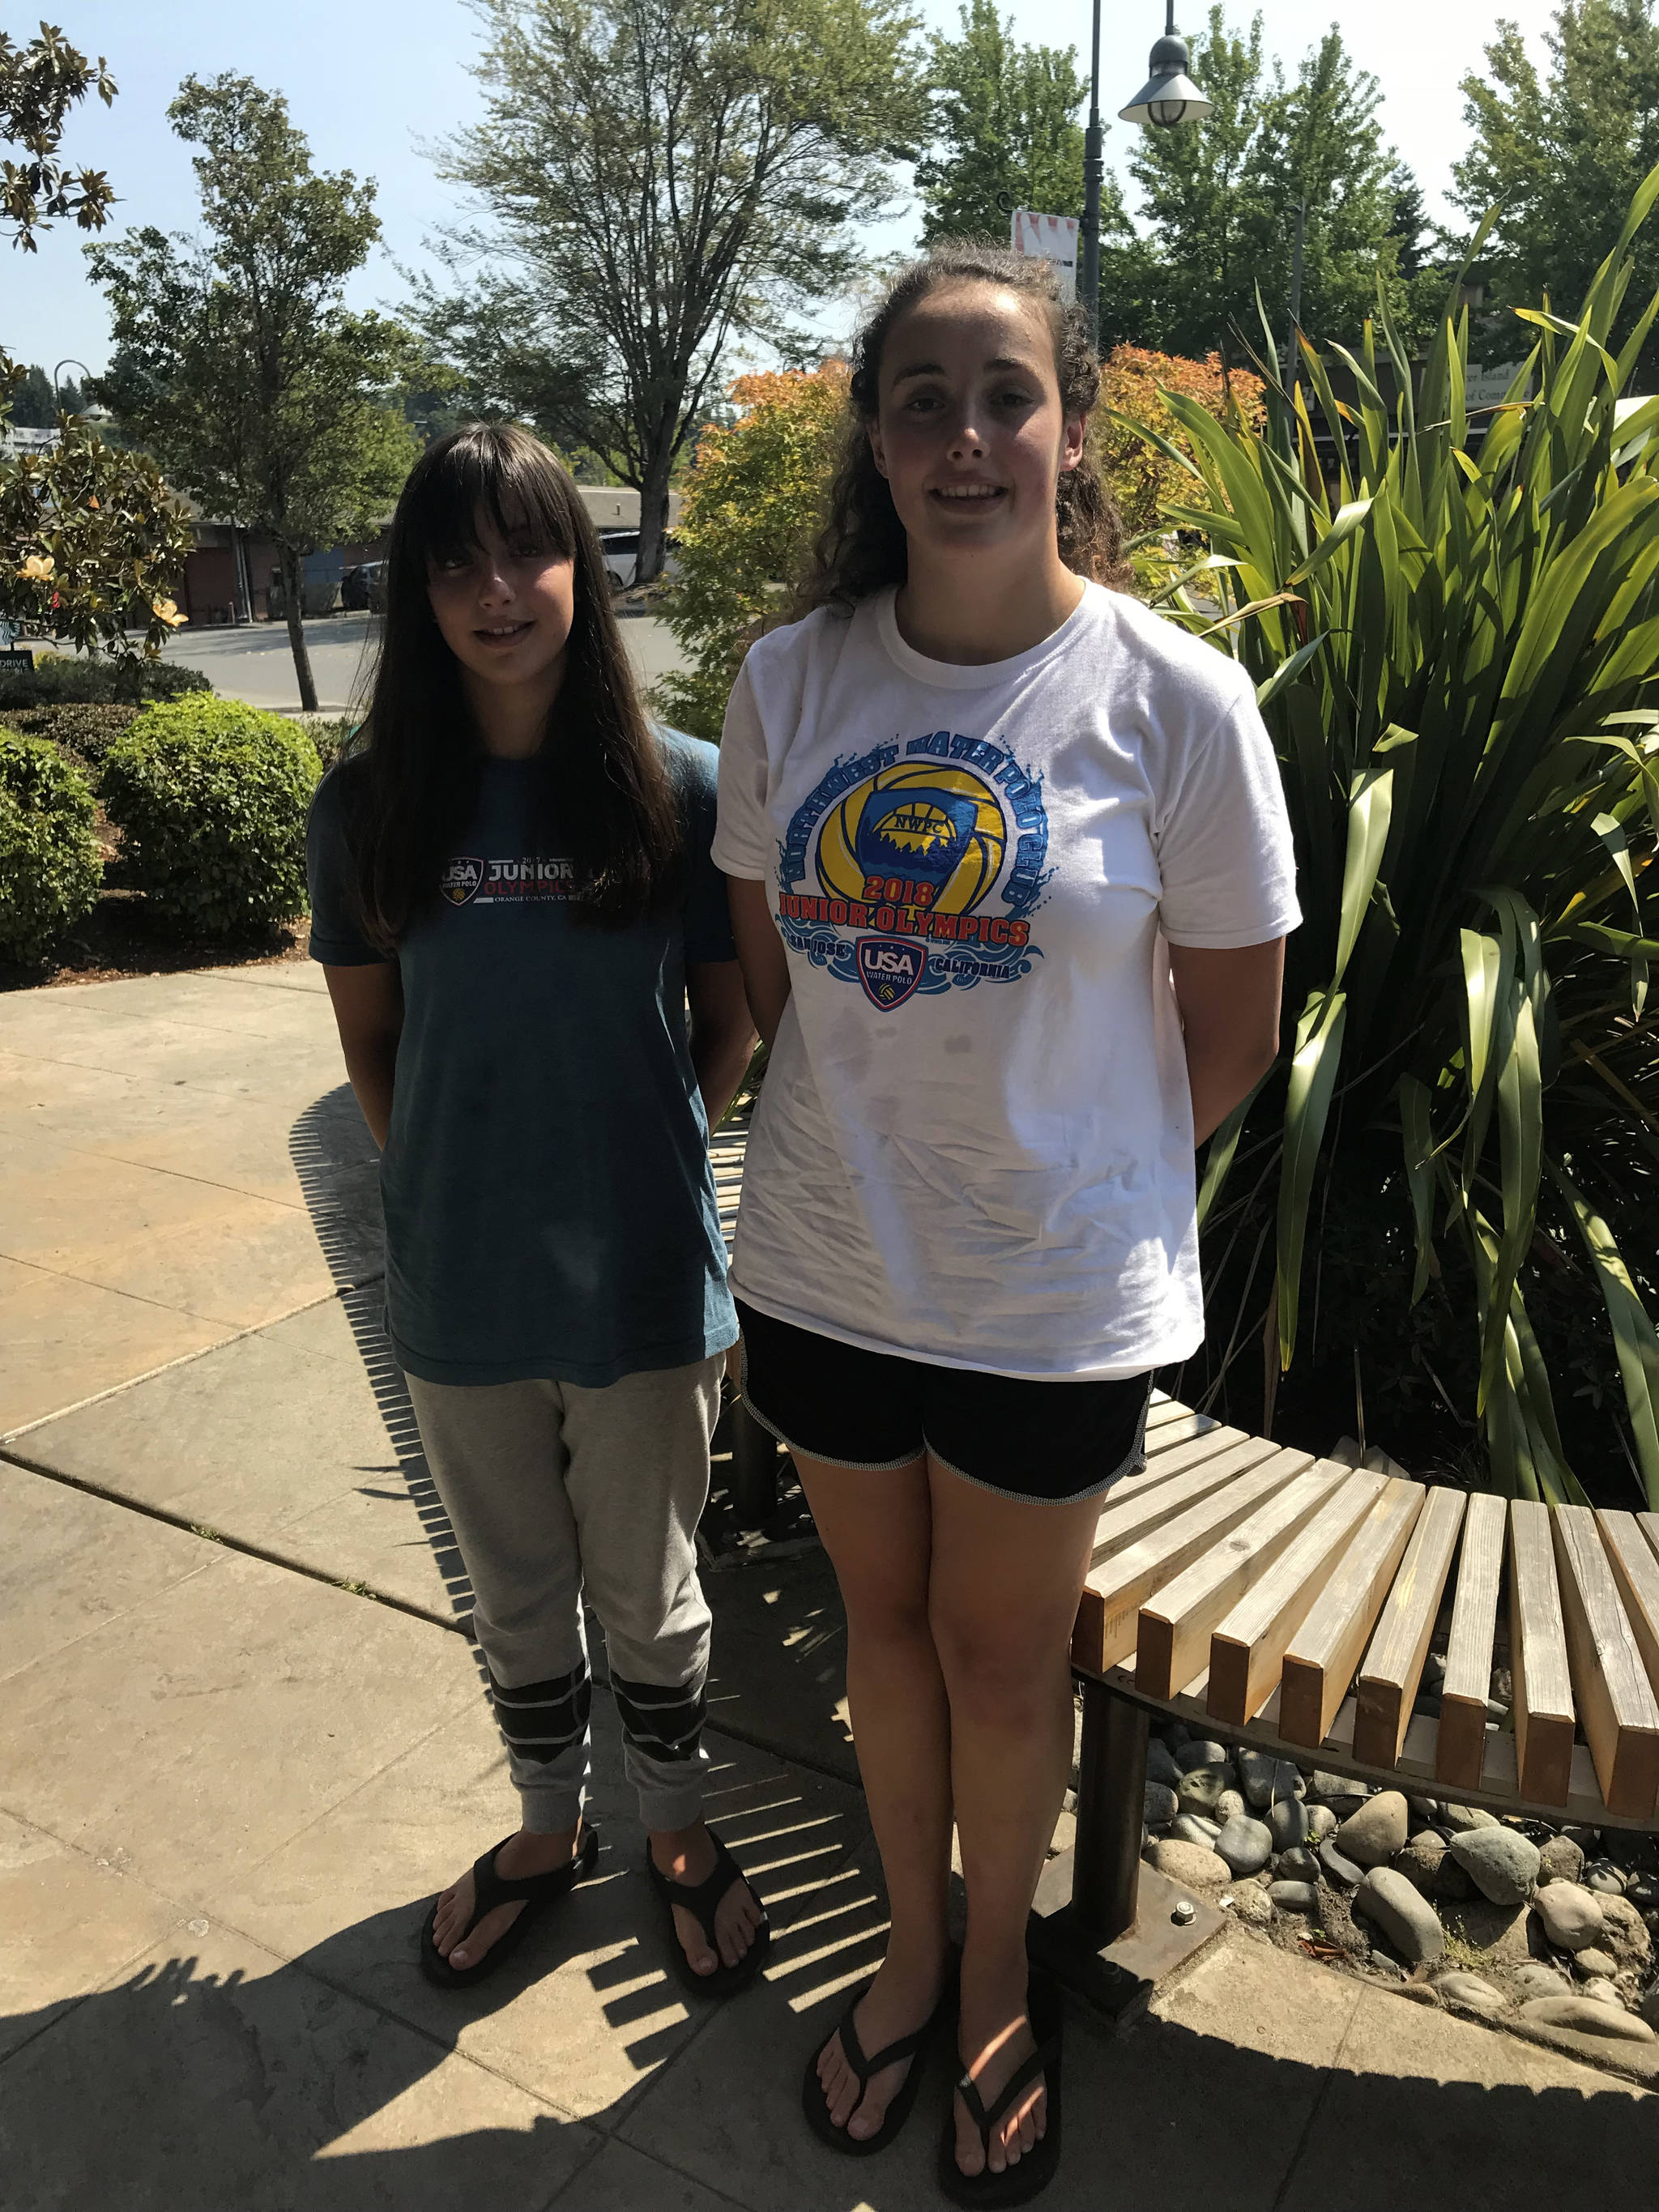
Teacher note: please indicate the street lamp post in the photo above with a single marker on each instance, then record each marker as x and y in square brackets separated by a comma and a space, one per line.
[68, 361]
[1167, 98]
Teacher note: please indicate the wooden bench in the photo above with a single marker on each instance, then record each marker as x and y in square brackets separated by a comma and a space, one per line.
[1290, 1605]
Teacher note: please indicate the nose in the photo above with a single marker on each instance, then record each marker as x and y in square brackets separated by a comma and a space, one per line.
[494, 585]
[966, 443]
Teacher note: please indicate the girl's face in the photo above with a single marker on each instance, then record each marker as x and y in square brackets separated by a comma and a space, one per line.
[970, 432]
[504, 607]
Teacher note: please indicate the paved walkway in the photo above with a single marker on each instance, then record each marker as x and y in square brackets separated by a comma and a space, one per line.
[230, 1775]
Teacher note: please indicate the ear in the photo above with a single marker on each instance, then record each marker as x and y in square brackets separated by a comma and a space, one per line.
[877, 454]
[1072, 442]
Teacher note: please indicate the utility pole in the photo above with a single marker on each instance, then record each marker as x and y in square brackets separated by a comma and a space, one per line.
[1094, 171]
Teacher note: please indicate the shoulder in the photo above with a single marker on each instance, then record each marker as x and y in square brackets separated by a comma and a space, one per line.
[339, 795]
[1170, 668]
[781, 658]
[693, 763]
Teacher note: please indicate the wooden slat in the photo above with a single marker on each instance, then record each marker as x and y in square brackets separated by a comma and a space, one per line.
[1538, 1659]
[1610, 1684]
[1247, 1651]
[1145, 1505]
[1117, 1589]
[1173, 1633]
[1320, 1662]
[1461, 1745]
[1393, 1665]
[1649, 1524]
[1636, 1570]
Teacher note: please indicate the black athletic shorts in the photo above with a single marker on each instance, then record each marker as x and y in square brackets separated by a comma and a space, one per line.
[1050, 1441]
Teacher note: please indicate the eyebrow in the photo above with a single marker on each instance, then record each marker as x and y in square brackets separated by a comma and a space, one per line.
[1001, 361]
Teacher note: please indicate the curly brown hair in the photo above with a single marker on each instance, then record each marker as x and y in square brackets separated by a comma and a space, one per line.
[862, 547]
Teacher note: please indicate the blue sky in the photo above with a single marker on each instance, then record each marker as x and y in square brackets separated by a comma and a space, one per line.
[371, 81]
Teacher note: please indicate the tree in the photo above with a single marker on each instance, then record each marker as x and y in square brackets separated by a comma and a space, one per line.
[664, 176]
[35, 404]
[38, 85]
[751, 503]
[89, 537]
[1136, 384]
[1562, 157]
[1221, 200]
[1005, 132]
[239, 368]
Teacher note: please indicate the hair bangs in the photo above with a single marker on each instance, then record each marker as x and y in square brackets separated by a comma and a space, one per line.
[514, 484]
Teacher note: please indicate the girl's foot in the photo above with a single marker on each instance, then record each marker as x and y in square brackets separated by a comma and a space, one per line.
[994, 2039]
[902, 1997]
[687, 1855]
[523, 1854]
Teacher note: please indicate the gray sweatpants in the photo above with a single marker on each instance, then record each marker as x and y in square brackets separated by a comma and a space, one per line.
[550, 1487]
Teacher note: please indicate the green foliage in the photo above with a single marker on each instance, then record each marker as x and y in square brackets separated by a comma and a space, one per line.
[239, 368]
[1220, 199]
[1458, 657]
[50, 868]
[751, 503]
[211, 798]
[1561, 157]
[1005, 123]
[58, 680]
[663, 176]
[35, 404]
[84, 732]
[38, 85]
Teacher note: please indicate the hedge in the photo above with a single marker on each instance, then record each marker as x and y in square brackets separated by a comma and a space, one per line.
[49, 866]
[58, 679]
[211, 798]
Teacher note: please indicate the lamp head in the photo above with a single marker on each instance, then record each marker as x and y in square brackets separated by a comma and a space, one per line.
[1169, 97]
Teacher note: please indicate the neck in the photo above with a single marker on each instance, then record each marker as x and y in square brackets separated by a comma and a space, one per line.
[511, 719]
[972, 612]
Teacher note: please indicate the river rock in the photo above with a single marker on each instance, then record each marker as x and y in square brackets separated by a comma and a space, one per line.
[1642, 1892]
[1202, 1786]
[1160, 1763]
[1295, 1896]
[1245, 1845]
[1458, 1820]
[1535, 1979]
[1160, 1806]
[1451, 1883]
[1287, 1818]
[1376, 1830]
[1252, 1904]
[1591, 1965]
[1465, 1988]
[1604, 1879]
[1407, 1918]
[1625, 1932]
[1338, 1869]
[1500, 1861]
[1193, 1828]
[1266, 1781]
[1298, 1864]
[1571, 1916]
[1588, 2017]
[1230, 1805]
[1419, 1861]
[1501, 1931]
[1191, 1864]
[1600, 1990]
[1338, 1789]
[1559, 1860]
[1424, 1811]
[1648, 2007]
[1201, 1752]
[1321, 1822]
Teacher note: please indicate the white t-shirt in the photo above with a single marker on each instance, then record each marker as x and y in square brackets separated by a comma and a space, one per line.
[974, 1146]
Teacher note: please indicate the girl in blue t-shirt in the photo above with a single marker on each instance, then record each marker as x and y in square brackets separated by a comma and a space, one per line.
[512, 904]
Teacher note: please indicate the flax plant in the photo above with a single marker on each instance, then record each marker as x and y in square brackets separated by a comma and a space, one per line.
[1454, 630]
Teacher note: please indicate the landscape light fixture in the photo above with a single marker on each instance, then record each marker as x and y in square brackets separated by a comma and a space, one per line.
[1169, 96]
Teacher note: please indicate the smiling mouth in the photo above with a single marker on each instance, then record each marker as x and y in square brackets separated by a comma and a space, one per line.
[968, 494]
[502, 633]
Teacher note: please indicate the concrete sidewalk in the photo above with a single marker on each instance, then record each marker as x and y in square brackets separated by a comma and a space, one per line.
[244, 1741]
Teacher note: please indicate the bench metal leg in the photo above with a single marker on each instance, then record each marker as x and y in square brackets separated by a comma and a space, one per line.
[1108, 1927]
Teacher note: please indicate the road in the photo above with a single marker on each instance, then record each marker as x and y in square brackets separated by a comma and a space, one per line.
[254, 663]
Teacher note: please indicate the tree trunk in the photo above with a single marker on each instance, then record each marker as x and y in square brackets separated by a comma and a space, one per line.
[293, 583]
[653, 511]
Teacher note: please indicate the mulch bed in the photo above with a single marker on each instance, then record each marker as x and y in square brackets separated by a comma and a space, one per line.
[119, 938]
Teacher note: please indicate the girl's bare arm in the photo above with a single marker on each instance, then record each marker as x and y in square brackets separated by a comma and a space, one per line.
[1229, 1003]
[368, 1011]
[760, 954]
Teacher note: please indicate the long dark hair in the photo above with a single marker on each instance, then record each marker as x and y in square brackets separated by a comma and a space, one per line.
[862, 548]
[602, 794]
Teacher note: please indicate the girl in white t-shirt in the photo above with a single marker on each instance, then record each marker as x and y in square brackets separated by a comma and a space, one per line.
[1011, 873]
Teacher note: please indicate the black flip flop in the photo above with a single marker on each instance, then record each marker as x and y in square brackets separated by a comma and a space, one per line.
[701, 1900]
[1036, 2168]
[490, 1889]
[815, 2105]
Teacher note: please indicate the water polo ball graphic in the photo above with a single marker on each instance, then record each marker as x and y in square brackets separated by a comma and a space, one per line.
[923, 821]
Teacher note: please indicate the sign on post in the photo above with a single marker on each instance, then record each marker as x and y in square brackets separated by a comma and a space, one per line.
[1049, 238]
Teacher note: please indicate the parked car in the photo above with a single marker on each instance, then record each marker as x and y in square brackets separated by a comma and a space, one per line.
[621, 549]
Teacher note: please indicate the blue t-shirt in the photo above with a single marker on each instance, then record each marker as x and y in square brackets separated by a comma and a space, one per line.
[549, 1207]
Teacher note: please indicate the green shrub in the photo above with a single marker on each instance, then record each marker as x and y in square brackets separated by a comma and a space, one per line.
[50, 868]
[85, 732]
[59, 680]
[211, 798]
